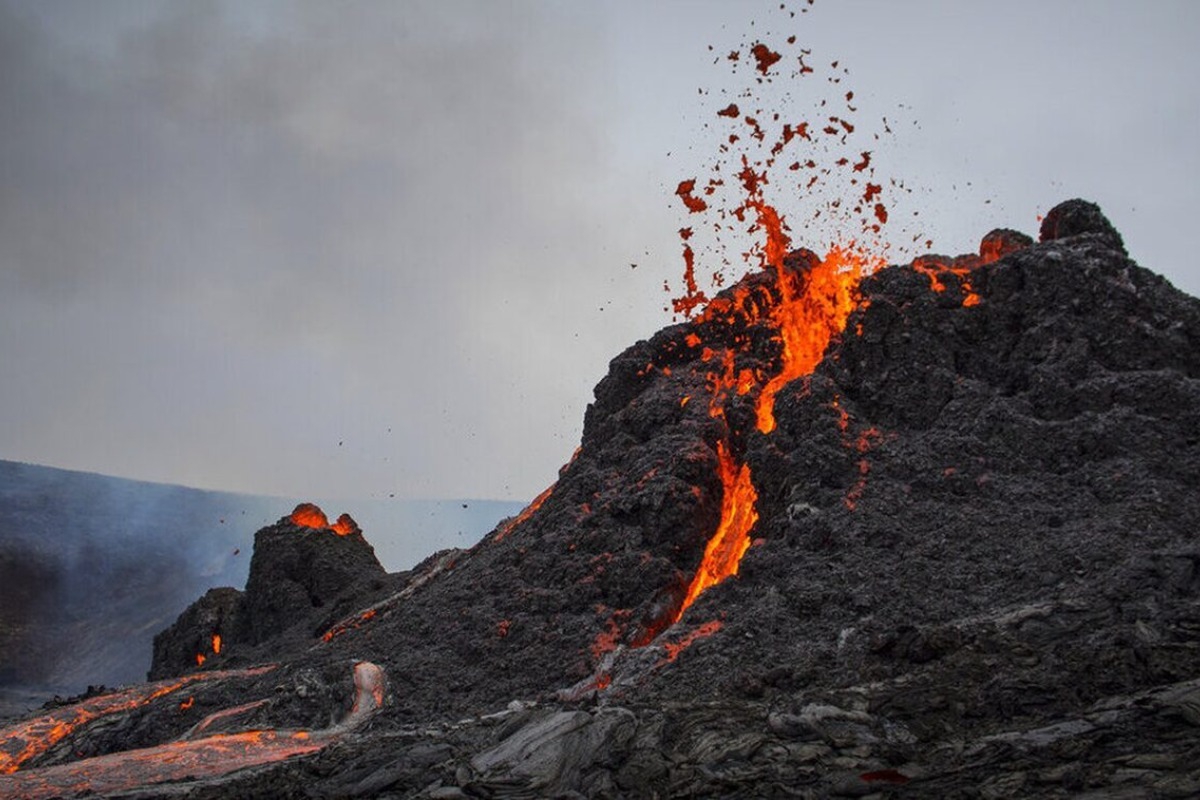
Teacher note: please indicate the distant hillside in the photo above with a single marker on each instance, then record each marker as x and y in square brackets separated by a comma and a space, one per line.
[91, 566]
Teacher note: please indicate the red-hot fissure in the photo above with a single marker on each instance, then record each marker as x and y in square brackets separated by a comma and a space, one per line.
[809, 305]
[809, 310]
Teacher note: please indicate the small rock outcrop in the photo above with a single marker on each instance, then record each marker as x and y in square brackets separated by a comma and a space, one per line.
[296, 574]
[197, 634]
[304, 572]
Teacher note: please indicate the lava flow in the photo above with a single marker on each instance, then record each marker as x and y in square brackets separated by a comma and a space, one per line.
[732, 538]
[187, 758]
[31, 738]
[809, 308]
[812, 297]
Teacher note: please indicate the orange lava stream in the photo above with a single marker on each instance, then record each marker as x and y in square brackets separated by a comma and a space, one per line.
[809, 320]
[215, 755]
[725, 549]
[185, 759]
[812, 308]
[23, 741]
[673, 649]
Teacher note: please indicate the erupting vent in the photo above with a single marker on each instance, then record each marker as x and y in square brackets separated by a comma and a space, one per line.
[310, 515]
[812, 297]
[754, 338]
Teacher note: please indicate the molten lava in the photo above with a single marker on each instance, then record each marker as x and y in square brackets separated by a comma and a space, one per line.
[732, 538]
[349, 625]
[30, 738]
[344, 526]
[310, 515]
[937, 268]
[811, 298]
[673, 649]
[186, 758]
[526, 513]
[175, 761]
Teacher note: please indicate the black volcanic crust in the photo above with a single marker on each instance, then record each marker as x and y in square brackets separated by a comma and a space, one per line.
[975, 572]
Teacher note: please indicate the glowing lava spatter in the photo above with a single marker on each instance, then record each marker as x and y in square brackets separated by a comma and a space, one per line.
[811, 301]
[809, 316]
[310, 515]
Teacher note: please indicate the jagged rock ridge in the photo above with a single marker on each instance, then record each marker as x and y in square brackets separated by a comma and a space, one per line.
[974, 572]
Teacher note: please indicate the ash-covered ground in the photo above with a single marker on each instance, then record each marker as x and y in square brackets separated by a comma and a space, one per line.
[973, 571]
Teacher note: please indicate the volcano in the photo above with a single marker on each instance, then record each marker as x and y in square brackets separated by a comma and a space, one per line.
[929, 531]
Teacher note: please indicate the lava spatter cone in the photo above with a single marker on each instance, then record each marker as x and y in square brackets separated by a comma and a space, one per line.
[302, 572]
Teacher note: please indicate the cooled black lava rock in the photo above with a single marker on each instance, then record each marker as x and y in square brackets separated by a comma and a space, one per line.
[1076, 217]
[189, 642]
[296, 573]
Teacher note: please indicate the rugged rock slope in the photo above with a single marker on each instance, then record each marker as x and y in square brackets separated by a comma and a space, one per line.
[970, 567]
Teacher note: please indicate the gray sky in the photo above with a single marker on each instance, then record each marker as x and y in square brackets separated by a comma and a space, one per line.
[368, 248]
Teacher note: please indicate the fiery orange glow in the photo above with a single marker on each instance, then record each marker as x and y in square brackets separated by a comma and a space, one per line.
[607, 640]
[342, 627]
[526, 513]
[938, 267]
[673, 649]
[213, 755]
[809, 318]
[732, 538]
[812, 306]
[812, 298]
[23, 741]
[344, 526]
[216, 643]
[309, 515]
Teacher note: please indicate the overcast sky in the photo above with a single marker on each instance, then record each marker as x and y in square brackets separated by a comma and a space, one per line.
[360, 249]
